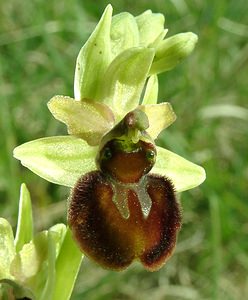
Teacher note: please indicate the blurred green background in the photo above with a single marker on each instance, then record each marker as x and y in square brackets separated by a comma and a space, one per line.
[39, 42]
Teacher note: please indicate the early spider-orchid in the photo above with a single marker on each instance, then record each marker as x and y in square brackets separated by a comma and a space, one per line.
[123, 203]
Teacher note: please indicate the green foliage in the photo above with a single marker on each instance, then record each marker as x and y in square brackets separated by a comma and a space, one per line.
[24, 230]
[34, 266]
[67, 264]
[7, 249]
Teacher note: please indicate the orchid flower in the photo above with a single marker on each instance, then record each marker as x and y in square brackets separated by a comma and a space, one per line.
[123, 202]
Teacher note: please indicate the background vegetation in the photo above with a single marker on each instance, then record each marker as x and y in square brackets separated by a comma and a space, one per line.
[39, 42]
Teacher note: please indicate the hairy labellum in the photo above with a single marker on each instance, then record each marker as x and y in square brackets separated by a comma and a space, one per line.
[113, 241]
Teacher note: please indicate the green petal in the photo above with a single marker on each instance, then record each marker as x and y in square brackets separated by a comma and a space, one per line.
[184, 174]
[160, 116]
[172, 50]
[150, 26]
[124, 33]
[151, 91]
[7, 249]
[67, 264]
[125, 79]
[24, 231]
[84, 119]
[93, 59]
[61, 159]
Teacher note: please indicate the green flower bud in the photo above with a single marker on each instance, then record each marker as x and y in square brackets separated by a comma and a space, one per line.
[172, 50]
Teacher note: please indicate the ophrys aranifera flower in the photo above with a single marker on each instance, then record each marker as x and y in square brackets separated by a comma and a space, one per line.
[119, 210]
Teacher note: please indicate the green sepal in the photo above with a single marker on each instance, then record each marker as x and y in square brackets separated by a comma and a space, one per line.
[184, 174]
[125, 79]
[150, 25]
[60, 159]
[172, 50]
[7, 249]
[151, 91]
[124, 33]
[86, 119]
[160, 116]
[93, 59]
[67, 265]
[24, 230]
